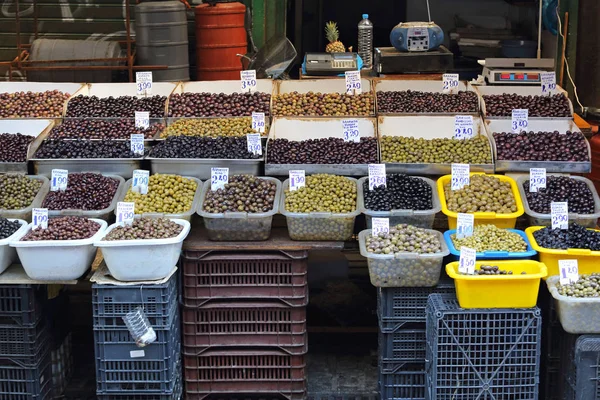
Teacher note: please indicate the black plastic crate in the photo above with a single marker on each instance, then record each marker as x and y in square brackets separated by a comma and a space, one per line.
[581, 367]
[402, 346]
[406, 383]
[26, 383]
[22, 304]
[482, 353]
[19, 341]
[176, 394]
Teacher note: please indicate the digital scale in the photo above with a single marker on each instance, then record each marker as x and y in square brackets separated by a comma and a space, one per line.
[515, 71]
[330, 63]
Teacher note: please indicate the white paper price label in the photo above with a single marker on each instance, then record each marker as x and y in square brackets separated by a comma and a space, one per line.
[353, 82]
[377, 176]
[125, 213]
[520, 120]
[248, 78]
[548, 82]
[380, 225]
[142, 119]
[464, 225]
[559, 212]
[350, 130]
[258, 122]
[297, 179]
[569, 271]
[466, 262]
[254, 143]
[140, 180]
[463, 127]
[219, 177]
[39, 217]
[143, 82]
[59, 180]
[137, 353]
[137, 143]
[450, 83]
[537, 179]
[460, 176]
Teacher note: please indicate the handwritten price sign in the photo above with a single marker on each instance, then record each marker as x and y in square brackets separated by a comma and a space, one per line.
[143, 81]
[353, 82]
[460, 176]
[377, 176]
[219, 177]
[520, 120]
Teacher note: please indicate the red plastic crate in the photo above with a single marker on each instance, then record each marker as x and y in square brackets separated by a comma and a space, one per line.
[274, 275]
[248, 324]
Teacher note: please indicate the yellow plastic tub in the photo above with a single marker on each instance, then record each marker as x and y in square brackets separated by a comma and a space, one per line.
[499, 291]
[482, 218]
[588, 261]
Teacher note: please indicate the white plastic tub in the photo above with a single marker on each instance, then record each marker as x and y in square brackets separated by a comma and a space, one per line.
[25, 213]
[8, 255]
[576, 315]
[57, 260]
[144, 259]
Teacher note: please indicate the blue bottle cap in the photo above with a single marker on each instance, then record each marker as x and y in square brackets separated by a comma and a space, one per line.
[365, 16]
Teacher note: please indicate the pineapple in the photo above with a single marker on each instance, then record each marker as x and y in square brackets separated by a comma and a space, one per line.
[332, 34]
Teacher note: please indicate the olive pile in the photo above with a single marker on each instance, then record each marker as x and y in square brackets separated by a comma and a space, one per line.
[111, 107]
[243, 193]
[8, 228]
[542, 146]
[322, 151]
[86, 191]
[145, 228]
[414, 101]
[167, 194]
[218, 105]
[13, 147]
[576, 237]
[212, 127]
[404, 238]
[69, 149]
[402, 192]
[64, 228]
[330, 104]
[485, 193]
[203, 147]
[17, 191]
[101, 129]
[561, 188]
[491, 238]
[48, 104]
[501, 105]
[400, 149]
[491, 270]
[588, 285]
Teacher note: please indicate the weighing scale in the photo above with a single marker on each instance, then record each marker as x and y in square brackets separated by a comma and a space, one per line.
[515, 71]
[330, 63]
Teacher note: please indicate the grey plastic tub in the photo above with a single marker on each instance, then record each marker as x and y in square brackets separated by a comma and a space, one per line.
[25, 213]
[576, 315]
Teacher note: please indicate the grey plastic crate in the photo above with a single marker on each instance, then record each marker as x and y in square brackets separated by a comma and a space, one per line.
[176, 394]
[408, 383]
[401, 347]
[26, 383]
[581, 367]
[24, 342]
[21, 304]
[486, 353]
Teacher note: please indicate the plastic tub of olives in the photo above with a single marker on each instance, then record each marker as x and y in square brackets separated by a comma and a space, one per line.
[25, 213]
[239, 226]
[537, 219]
[8, 255]
[318, 225]
[576, 315]
[493, 254]
[404, 269]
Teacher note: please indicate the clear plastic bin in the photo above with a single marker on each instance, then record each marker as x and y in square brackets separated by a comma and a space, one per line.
[25, 213]
[492, 255]
[576, 315]
[420, 218]
[8, 255]
[537, 219]
[404, 269]
[318, 225]
[239, 226]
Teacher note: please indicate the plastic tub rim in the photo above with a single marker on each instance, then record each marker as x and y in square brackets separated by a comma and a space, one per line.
[363, 248]
[16, 242]
[144, 242]
[552, 282]
[530, 252]
[452, 271]
[569, 251]
[23, 227]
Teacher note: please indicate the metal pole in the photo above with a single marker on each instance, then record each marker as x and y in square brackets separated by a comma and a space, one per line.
[128, 29]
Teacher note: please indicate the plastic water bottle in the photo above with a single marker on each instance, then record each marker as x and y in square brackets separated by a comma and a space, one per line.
[365, 41]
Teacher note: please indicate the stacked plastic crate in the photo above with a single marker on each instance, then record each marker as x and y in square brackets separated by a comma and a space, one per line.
[401, 313]
[125, 370]
[244, 324]
[580, 367]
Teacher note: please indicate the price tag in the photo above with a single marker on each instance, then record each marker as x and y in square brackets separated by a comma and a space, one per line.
[254, 143]
[548, 80]
[258, 122]
[142, 119]
[466, 262]
[353, 82]
[460, 176]
[464, 225]
[143, 81]
[125, 213]
[537, 179]
[60, 178]
[39, 217]
[351, 132]
[560, 215]
[520, 120]
[248, 80]
[297, 179]
[140, 181]
[380, 225]
[137, 143]
[450, 83]
[463, 127]
[569, 271]
[377, 176]
[219, 177]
